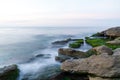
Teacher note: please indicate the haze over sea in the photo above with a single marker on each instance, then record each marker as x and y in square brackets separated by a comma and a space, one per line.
[22, 45]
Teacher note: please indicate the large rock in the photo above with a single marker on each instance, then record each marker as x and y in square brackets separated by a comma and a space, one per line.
[103, 49]
[112, 32]
[64, 54]
[71, 52]
[102, 65]
[9, 72]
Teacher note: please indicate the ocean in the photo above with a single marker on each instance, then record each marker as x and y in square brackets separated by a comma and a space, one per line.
[31, 49]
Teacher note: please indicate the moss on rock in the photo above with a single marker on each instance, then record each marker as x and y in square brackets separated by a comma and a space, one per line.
[76, 44]
[90, 53]
[97, 34]
[94, 42]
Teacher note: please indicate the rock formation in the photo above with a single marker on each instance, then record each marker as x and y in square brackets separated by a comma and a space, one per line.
[112, 32]
[9, 72]
[98, 67]
[71, 52]
[68, 53]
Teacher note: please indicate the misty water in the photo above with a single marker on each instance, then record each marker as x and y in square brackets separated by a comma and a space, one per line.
[31, 48]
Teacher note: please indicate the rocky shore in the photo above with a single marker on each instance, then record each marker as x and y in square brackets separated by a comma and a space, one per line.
[102, 62]
[99, 63]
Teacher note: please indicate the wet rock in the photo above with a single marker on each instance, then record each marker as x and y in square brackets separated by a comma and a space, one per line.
[62, 58]
[43, 55]
[9, 72]
[69, 76]
[44, 73]
[103, 49]
[71, 52]
[62, 42]
[40, 56]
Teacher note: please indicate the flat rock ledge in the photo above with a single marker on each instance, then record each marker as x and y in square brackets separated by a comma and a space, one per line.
[68, 53]
[97, 67]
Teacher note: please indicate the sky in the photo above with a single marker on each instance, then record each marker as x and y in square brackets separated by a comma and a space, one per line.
[59, 13]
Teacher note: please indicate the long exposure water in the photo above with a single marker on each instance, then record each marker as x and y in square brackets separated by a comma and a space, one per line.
[31, 48]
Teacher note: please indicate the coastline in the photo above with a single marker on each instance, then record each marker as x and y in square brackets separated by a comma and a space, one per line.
[68, 54]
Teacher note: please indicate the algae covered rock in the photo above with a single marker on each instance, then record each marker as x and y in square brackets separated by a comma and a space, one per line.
[76, 44]
[91, 52]
[9, 72]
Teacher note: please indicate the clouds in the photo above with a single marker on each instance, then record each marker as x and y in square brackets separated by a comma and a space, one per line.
[58, 12]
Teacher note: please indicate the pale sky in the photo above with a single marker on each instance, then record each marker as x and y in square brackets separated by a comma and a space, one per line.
[59, 13]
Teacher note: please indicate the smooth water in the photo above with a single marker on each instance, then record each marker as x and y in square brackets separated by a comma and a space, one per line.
[31, 48]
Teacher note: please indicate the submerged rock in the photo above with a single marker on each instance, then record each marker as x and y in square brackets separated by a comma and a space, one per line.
[43, 55]
[62, 58]
[62, 42]
[44, 73]
[40, 56]
[9, 72]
